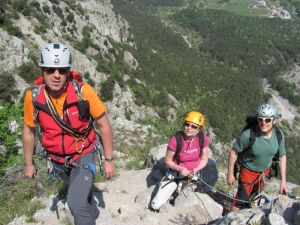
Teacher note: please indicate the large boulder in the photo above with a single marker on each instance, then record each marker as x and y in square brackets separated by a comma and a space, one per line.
[280, 211]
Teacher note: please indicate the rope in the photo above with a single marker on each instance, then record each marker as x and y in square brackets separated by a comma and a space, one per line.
[215, 190]
[251, 199]
[76, 134]
[224, 194]
[62, 123]
[187, 185]
[206, 211]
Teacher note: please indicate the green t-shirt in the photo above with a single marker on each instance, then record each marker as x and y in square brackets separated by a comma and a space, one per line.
[259, 158]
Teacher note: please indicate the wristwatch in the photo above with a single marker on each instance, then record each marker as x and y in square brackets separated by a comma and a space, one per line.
[109, 159]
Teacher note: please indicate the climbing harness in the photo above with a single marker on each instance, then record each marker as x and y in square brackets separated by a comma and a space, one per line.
[80, 137]
[56, 170]
[172, 176]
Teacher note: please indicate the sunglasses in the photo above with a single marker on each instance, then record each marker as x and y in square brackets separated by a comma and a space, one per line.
[193, 126]
[50, 70]
[266, 120]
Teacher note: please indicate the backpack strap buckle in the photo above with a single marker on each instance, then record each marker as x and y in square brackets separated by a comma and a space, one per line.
[68, 161]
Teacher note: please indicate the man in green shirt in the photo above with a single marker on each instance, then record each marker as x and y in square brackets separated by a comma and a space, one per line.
[256, 161]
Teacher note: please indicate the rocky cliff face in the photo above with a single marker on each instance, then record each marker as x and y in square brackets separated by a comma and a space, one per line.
[66, 25]
[95, 21]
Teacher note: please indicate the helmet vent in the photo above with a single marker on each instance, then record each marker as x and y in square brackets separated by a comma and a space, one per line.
[56, 46]
[42, 59]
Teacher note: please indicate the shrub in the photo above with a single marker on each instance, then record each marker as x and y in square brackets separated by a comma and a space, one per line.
[28, 71]
[18, 5]
[63, 23]
[7, 88]
[54, 1]
[86, 31]
[58, 11]
[91, 82]
[82, 45]
[7, 139]
[36, 5]
[86, 75]
[12, 29]
[40, 29]
[106, 89]
[80, 9]
[128, 114]
[103, 66]
[70, 17]
[46, 8]
[2, 16]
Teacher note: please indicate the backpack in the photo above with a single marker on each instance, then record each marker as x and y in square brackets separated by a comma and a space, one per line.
[252, 124]
[178, 136]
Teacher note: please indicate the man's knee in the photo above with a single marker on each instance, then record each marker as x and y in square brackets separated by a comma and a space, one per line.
[75, 206]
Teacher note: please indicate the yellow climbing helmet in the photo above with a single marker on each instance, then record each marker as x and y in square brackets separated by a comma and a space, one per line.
[195, 117]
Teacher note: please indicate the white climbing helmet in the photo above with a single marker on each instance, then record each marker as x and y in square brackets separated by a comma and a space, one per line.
[267, 111]
[55, 55]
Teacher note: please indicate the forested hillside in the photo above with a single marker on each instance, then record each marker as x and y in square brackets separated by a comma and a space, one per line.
[191, 75]
[221, 72]
[224, 69]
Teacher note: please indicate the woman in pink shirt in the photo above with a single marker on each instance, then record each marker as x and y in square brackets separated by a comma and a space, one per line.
[186, 155]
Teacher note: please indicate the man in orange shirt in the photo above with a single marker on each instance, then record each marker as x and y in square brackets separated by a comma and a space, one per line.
[66, 112]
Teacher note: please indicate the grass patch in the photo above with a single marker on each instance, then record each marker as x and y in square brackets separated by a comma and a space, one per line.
[222, 186]
[241, 7]
[135, 156]
[296, 192]
[17, 192]
[15, 200]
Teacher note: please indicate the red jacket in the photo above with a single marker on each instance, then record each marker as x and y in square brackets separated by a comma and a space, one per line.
[55, 140]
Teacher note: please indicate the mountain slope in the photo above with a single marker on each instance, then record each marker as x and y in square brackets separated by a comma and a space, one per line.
[151, 61]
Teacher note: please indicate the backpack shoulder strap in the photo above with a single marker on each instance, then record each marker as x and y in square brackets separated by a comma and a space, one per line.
[279, 139]
[35, 91]
[178, 136]
[77, 88]
[251, 139]
[278, 134]
[77, 84]
[201, 141]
